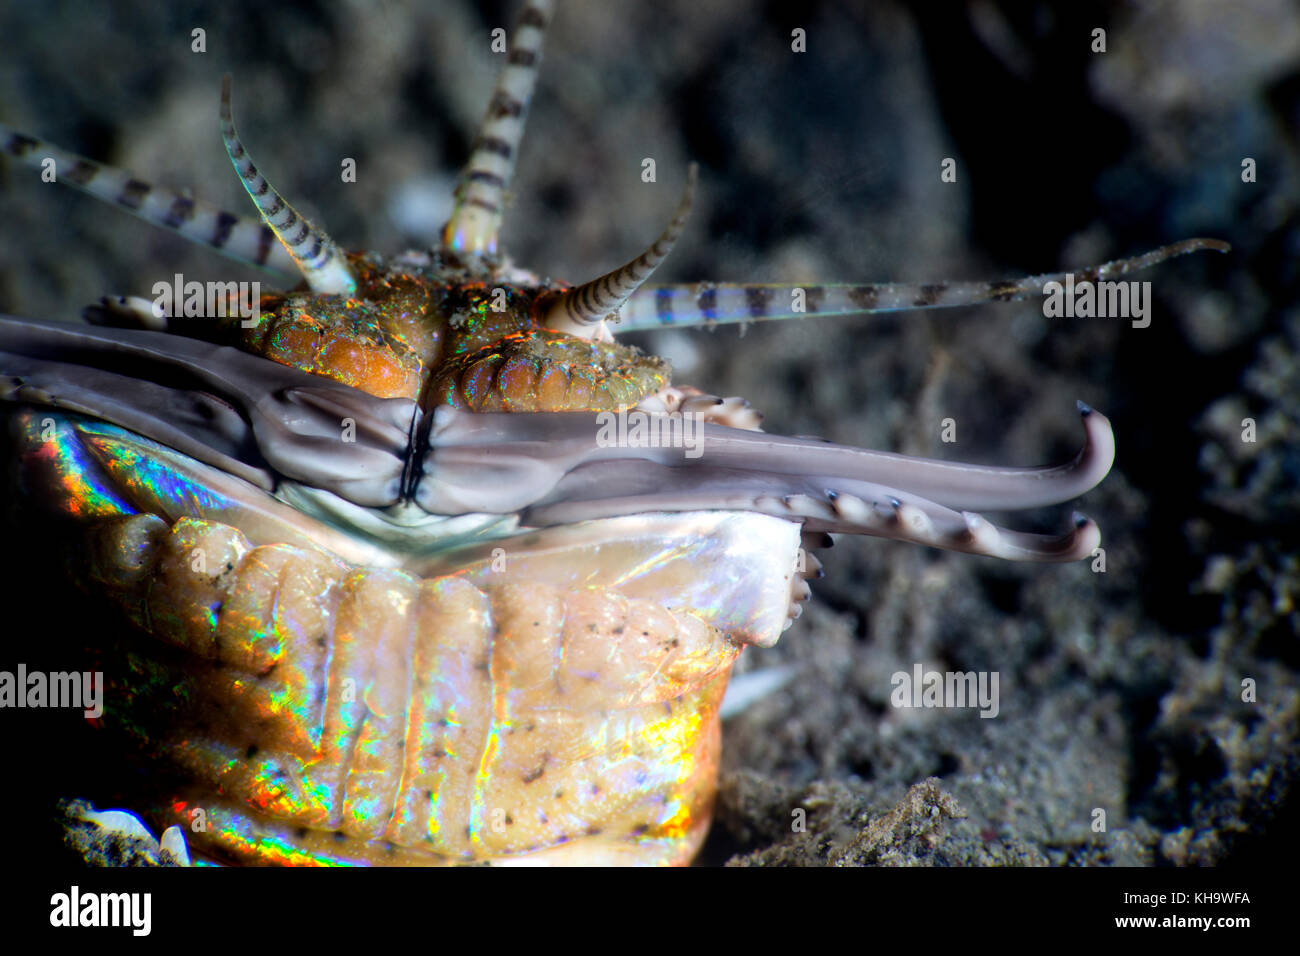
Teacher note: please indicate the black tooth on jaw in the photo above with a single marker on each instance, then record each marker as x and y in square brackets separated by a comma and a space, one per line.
[417, 444]
[1084, 408]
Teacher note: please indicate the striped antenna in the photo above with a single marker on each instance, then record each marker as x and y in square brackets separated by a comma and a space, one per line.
[581, 310]
[313, 252]
[683, 306]
[241, 238]
[476, 219]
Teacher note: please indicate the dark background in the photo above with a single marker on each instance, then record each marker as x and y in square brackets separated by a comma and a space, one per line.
[1119, 691]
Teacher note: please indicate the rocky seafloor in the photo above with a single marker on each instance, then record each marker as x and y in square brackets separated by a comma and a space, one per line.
[1120, 691]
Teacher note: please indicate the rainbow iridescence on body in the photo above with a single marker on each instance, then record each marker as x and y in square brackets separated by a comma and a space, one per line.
[323, 713]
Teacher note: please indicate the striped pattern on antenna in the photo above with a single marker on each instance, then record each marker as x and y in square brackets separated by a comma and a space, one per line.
[313, 252]
[714, 303]
[480, 195]
[242, 238]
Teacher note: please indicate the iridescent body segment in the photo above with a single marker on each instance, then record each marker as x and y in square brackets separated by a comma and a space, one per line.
[322, 712]
[425, 720]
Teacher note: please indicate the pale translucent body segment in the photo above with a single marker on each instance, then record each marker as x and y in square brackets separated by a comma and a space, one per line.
[632, 651]
[450, 716]
[189, 582]
[261, 694]
[480, 195]
[318, 744]
[120, 551]
[372, 601]
[526, 652]
[244, 239]
[459, 721]
[269, 784]
[375, 768]
[720, 303]
[281, 718]
[282, 597]
[313, 252]
[731, 569]
[600, 712]
[235, 834]
[276, 623]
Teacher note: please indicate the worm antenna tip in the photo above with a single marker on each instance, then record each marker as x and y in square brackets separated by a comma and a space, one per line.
[314, 253]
